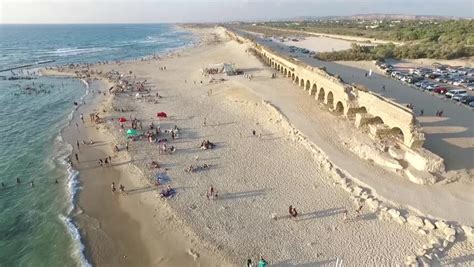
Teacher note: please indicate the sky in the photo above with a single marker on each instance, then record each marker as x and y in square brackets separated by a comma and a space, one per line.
[175, 11]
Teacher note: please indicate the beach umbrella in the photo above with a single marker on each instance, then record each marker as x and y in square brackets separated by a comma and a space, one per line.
[161, 115]
[132, 132]
[122, 119]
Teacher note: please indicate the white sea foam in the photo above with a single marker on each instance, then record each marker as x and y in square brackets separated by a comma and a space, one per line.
[78, 251]
[74, 51]
[62, 155]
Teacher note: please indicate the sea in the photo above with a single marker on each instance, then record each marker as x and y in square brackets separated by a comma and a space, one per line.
[37, 226]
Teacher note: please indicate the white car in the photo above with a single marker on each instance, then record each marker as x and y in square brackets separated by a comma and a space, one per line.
[454, 92]
[458, 97]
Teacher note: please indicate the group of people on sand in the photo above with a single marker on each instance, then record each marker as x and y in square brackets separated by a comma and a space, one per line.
[106, 162]
[121, 188]
[292, 211]
[195, 168]
[211, 193]
[261, 263]
[94, 118]
[168, 192]
[206, 144]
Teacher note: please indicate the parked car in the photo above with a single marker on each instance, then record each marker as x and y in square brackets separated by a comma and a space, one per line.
[454, 92]
[471, 104]
[414, 79]
[440, 90]
[467, 99]
[470, 86]
[458, 97]
[431, 86]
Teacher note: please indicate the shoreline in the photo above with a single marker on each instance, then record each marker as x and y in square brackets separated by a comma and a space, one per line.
[175, 255]
[238, 99]
[97, 237]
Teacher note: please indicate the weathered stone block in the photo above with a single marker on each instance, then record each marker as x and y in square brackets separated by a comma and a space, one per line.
[449, 231]
[428, 225]
[441, 225]
[415, 221]
[357, 190]
[468, 231]
[373, 204]
[394, 213]
[400, 220]
[451, 238]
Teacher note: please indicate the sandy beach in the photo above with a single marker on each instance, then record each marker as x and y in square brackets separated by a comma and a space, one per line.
[257, 176]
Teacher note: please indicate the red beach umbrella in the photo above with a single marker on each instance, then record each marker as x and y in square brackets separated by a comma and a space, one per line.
[122, 119]
[161, 115]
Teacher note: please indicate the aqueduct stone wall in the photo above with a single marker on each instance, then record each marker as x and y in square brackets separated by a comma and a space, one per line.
[382, 116]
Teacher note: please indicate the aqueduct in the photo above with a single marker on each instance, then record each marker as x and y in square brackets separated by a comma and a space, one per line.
[381, 116]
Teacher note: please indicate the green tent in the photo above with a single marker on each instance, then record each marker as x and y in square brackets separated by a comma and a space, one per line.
[132, 132]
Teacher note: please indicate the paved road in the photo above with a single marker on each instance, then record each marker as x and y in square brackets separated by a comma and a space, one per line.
[451, 137]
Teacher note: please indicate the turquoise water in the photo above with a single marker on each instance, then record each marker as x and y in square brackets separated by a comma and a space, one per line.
[35, 224]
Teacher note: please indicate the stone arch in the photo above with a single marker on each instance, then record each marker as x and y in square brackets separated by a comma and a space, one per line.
[293, 76]
[313, 89]
[278, 67]
[376, 120]
[351, 112]
[330, 100]
[339, 107]
[302, 82]
[397, 133]
[308, 85]
[321, 94]
[297, 80]
[285, 72]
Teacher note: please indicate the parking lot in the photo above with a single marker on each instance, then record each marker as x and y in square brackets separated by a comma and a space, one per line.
[456, 83]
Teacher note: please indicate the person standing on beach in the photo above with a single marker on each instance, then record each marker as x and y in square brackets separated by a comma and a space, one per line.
[82, 118]
[249, 263]
[77, 157]
[112, 186]
[77, 144]
[126, 146]
[262, 262]
[254, 132]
